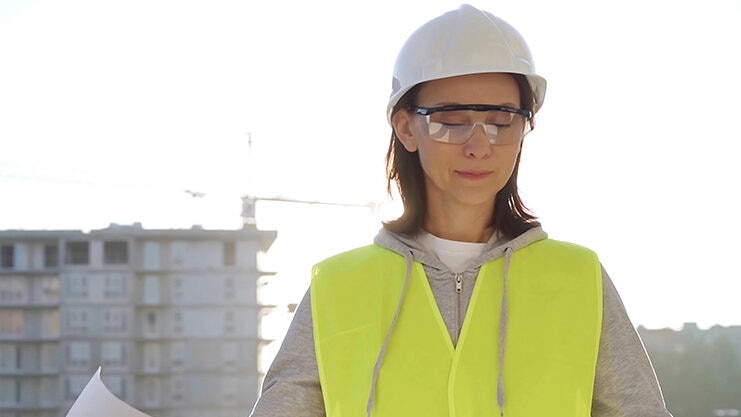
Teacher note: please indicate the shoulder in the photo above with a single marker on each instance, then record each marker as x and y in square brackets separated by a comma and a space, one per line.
[362, 255]
[362, 261]
[559, 265]
[560, 248]
[350, 278]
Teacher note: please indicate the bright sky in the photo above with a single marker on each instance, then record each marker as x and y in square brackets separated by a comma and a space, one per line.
[109, 110]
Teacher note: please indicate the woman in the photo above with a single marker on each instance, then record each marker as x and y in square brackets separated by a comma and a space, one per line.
[463, 306]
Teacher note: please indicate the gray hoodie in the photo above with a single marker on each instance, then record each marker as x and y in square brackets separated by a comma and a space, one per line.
[625, 384]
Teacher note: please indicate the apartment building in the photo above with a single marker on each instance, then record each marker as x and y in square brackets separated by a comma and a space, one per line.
[170, 315]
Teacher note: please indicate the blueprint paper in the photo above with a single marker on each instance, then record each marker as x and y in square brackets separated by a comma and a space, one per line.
[96, 400]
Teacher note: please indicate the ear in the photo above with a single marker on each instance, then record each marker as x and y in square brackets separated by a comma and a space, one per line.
[401, 122]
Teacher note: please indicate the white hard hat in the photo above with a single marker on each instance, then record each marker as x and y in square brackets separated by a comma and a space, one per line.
[463, 41]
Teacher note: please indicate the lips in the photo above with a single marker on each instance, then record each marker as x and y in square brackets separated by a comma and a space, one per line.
[474, 174]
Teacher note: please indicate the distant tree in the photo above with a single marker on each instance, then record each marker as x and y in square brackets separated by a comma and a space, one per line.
[681, 372]
[725, 369]
[696, 376]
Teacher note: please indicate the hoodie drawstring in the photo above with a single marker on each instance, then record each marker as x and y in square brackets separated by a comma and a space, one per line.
[379, 360]
[503, 331]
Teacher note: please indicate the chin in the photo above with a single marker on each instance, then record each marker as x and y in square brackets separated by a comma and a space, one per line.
[475, 199]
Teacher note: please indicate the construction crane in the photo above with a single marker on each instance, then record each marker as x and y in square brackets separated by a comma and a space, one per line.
[249, 201]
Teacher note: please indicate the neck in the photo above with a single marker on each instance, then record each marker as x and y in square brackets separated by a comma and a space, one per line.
[462, 225]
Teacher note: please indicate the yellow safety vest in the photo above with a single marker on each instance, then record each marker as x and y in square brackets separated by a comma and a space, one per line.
[553, 328]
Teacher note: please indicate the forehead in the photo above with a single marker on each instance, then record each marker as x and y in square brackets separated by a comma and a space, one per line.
[487, 88]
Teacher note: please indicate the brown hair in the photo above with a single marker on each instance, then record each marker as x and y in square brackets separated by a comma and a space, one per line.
[511, 217]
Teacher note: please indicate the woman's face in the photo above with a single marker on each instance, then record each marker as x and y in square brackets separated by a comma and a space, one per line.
[470, 174]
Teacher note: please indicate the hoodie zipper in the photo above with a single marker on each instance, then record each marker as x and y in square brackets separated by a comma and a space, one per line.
[458, 290]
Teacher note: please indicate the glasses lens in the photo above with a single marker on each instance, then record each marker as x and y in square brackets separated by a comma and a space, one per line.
[448, 126]
[457, 126]
[500, 118]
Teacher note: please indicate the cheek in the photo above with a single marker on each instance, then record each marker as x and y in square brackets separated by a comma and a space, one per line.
[507, 162]
[433, 160]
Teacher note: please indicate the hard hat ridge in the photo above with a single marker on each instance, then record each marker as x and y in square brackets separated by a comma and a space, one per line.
[460, 42]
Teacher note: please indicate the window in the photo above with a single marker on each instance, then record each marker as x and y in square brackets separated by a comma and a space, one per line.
[78, 353]
[116, 384]
[49, 390]
[50, 323]
[9, 357]
[177, 251]
[112, 353]
[177, 288]
[114, 320]
[49, 290]
[229, 353]
[73, 386]
[114, 285]
[230, 291]
[178, 390]
[229, 389]
[151, 357]
[177, 322]
[7, 255]
[151, 255]
[230, 253]
[177, 354]
[12, 291]
[151, 323]
[229, 322]
[116, 252]
[151, 289]
[50, 357]
[51, 255]
[9, 390]
[151, 392]
[77, 321]
[77, 285]
[11, 322]
[78, 253]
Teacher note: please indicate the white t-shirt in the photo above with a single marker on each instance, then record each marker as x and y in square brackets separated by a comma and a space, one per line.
[455, 255]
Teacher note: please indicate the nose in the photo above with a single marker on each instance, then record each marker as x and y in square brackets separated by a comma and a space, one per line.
[478, 145]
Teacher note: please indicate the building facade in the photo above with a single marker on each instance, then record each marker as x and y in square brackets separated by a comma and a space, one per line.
[171, 316]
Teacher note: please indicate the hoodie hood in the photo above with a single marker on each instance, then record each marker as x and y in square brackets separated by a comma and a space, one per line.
[409, 245]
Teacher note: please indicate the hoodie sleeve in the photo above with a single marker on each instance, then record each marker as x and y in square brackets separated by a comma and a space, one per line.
[625, 383]
[291, 386]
